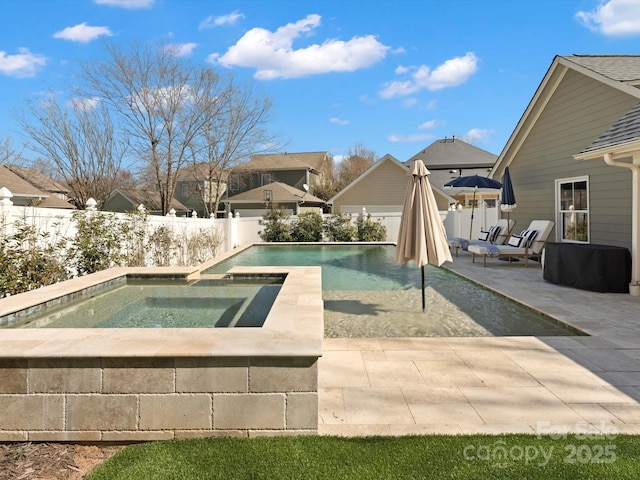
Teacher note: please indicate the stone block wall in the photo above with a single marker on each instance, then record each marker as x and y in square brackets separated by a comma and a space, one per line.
[136, 399]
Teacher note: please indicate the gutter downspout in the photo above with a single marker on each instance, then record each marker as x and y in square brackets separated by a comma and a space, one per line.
[634, 286]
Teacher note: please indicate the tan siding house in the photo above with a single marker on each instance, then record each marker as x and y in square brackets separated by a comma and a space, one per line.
[579, 98]
[381, 188]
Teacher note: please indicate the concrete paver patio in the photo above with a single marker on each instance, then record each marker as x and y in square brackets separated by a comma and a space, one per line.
[398, 386]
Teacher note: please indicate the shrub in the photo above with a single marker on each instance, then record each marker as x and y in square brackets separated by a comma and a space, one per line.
[276, 227]
[134, 238]
[370, 231]
[307, 228]
[338, 228]
[29, 260]
[162, 243]
[200, 246]
[97, 243]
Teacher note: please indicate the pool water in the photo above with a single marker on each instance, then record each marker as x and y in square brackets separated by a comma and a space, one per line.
[366, 294]
[166, 304]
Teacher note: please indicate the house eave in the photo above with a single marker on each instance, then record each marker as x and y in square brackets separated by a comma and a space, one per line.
[622, 150]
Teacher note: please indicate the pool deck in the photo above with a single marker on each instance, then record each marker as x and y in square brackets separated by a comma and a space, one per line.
[398, 386]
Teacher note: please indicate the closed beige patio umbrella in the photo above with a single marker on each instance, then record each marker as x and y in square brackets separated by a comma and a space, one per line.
[421, 236]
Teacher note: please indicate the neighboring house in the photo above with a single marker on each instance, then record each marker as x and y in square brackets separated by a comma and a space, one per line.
[129, 199]
[198, 184]
[381, 188]
[578, 100]
[41, 181]
[279, 195]
[25, 193]
[449, 158]
[293, 169]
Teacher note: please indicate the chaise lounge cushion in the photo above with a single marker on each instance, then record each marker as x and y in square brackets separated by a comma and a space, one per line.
[515, 241]
[496, 234]
[525, 239]
[536, 236]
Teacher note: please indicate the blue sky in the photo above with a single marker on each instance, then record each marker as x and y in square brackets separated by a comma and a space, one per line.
[393, 75]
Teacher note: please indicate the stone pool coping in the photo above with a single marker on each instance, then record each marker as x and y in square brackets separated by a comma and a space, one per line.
[293, 328]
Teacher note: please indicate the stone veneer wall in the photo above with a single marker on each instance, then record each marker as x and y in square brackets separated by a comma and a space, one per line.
[136, 399]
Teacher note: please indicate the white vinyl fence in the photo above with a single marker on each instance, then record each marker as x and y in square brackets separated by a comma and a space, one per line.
[234, 231]
[458, 222]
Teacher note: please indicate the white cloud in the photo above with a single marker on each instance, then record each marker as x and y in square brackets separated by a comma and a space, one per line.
[451, 73]
[181, 49]
[129, 4]
[613, 18]
[416, 137]
[409, 102]
[273, 56]
[23, 64]
[401, 70]
[339, 158]
[219, 21]
[82, 33]
[477, 135]
[428, 125]
[339, 121]
[84, 103]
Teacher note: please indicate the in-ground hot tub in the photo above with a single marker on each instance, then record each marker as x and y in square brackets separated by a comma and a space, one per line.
[238, 300]
[131, 384]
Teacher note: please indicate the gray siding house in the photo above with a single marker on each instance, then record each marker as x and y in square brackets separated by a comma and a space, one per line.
[579, 99]
[294, 169]
[620, 147]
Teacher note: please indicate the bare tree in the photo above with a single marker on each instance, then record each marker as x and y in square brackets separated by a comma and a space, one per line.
[237, 132]
[9, 155]
[79, 142]
[358, 160]
[162, 100]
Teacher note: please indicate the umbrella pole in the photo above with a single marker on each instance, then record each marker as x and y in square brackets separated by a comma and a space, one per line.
[423, 302]
[473, 208]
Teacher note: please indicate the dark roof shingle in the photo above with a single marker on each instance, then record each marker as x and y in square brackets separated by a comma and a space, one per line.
[625, 130]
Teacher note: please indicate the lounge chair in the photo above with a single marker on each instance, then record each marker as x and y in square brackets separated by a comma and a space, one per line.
[528, 244]
[491, 235]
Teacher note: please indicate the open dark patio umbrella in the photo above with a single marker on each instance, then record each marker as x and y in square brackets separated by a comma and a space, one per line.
[473, 183]
[508, 200]
[421, 236]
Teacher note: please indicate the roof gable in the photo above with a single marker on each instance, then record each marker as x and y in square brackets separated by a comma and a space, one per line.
[606, 69]
[369, 171]
[280, 192]
[402, 167]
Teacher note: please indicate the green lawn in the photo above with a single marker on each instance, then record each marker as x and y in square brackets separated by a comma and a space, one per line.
[429, 456]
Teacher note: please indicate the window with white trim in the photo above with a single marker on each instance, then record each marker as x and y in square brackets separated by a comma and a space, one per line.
[265, 179]
[572, 205]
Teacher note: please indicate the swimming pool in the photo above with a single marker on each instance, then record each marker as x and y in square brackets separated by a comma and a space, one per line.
[162, 303]
[366, 294]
